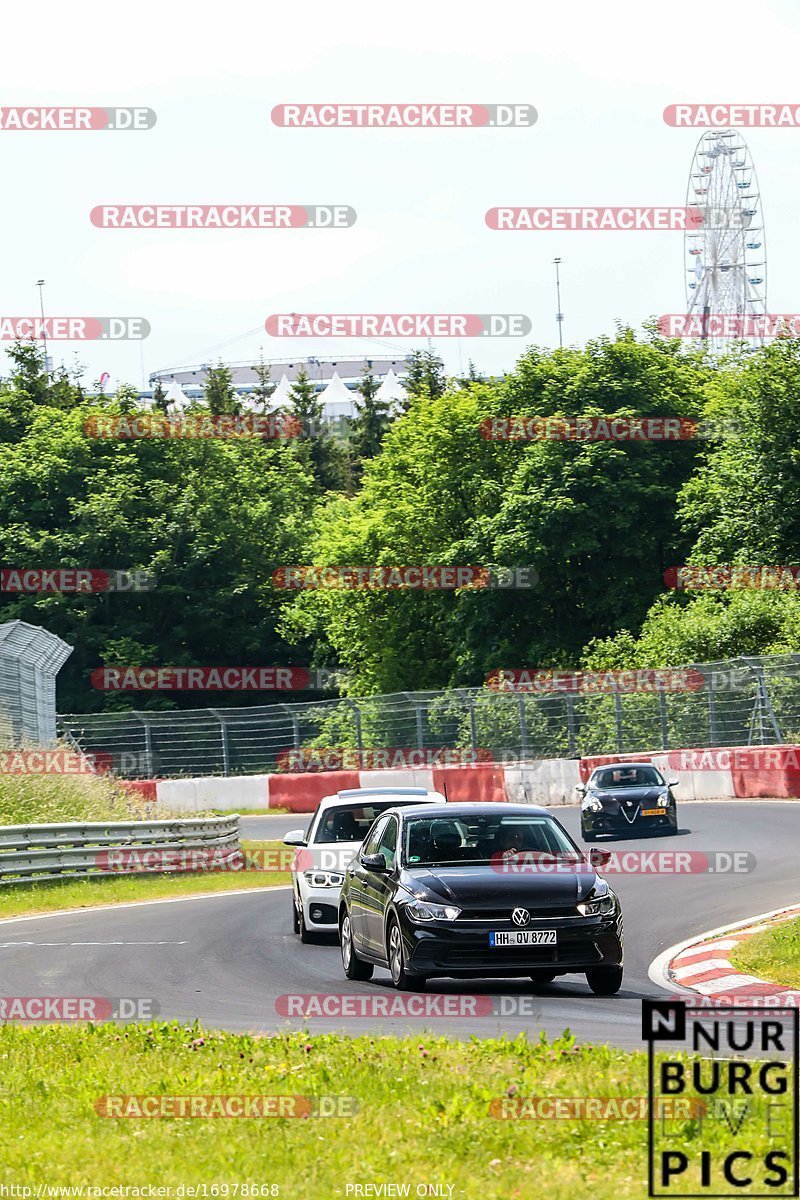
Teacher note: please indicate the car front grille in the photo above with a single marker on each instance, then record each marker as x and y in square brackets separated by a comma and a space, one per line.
[485, 915]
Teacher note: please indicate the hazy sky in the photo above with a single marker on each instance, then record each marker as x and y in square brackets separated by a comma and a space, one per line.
[599, 75]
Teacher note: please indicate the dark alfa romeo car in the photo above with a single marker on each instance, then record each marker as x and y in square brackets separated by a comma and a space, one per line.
[471, 890]
[626, 798]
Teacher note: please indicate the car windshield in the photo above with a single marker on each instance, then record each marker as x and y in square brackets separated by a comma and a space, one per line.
[625, 777]
[479, 840]
[348, 822]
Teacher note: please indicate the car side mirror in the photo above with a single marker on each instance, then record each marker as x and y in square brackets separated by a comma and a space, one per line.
[373, 862]
[600, 858]
[295, 837]
[673, 783]
[580, 787]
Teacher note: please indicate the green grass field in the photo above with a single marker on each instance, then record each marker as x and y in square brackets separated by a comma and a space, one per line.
[773, 954]
[51, 799]
[423, 1113]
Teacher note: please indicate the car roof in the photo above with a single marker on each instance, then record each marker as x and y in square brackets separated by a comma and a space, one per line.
[612, 766]
[419, 796]
[471, 809]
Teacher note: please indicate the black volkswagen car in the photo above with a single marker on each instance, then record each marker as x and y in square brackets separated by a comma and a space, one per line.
[470, 890]
[625, 798]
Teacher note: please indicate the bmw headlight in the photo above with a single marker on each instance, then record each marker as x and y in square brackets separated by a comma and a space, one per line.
[592, 804]
[323, 879]
[421, 910]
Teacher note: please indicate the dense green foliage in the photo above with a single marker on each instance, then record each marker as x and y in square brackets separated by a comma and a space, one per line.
[597, 522]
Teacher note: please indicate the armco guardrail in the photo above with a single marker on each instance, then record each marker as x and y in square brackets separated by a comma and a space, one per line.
[78, 850]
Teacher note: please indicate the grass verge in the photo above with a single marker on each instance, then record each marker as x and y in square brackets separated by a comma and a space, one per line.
[19, 900]
[773, 955]
[423, 1114]
[256, 812]
[49, 799]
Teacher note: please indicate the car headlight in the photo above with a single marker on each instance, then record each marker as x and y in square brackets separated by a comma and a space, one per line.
[592, 804]
[420, 910]
[323, 879]
[599, 902]
[597, 908]
[664, 798]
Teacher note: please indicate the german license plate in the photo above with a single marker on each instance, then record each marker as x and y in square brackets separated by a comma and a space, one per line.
[523, 937]
[652, 812]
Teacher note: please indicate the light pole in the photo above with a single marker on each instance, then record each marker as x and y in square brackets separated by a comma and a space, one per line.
[559, 314]
[40, 285]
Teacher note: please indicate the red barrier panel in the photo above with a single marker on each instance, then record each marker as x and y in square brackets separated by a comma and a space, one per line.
[145, 789]
[482, 784]
[766, 771]
[302, 793]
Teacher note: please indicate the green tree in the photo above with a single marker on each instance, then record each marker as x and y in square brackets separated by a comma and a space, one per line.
[325, 459]
[264, 388]
[219, 394]
[596, 522]
[425, 376]
[160, 402]
[211, 519]
[741, 506]
[372, 417]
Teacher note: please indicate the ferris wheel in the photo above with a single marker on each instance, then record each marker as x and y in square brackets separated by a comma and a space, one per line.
[726, 269]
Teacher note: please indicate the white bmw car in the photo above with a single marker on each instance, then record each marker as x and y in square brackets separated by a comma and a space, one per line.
[329, 845]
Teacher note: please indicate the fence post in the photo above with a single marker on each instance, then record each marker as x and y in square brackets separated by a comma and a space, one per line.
[712, 711]
[523, 728]
[359, 741]
[473, 728]
[662, 705]
[618, 719]
[765, 703]
[420, 729]
[571, 724]
[148, 742]
[223, 729]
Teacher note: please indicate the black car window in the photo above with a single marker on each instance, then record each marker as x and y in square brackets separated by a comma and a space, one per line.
[388, 842]
[622, 777]
[372, 840]
[430, 840]
[348, 822]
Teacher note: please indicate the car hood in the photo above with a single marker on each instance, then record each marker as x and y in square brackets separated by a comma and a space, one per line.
[636, 795]
[488, 886]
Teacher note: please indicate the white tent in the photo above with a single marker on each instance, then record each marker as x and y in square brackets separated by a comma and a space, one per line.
[337, 399]
[391, 390]
[176, 395]
[281, 394]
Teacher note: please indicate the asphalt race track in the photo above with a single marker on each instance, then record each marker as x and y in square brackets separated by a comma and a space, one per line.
[226, 959]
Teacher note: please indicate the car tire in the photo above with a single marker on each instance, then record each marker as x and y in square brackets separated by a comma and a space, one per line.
[306, 936]
[402, 979]
[295, 915]
[588, 837]
[354, 967]
[604, 981]
[542, 978]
